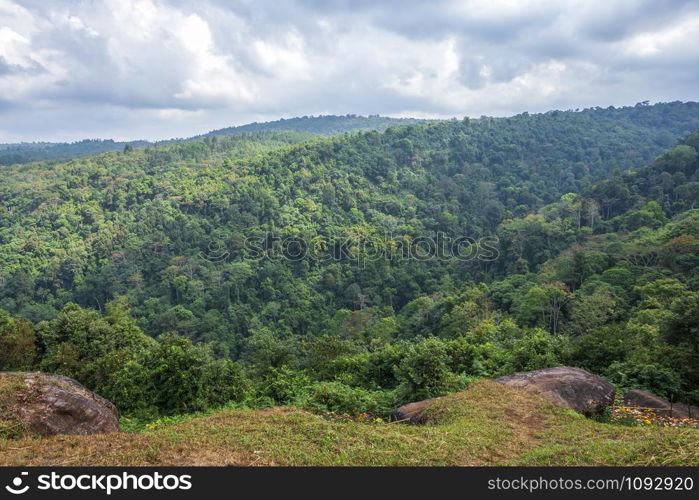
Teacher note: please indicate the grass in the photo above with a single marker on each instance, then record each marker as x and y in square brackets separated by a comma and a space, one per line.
[12, 392]
[484, 425]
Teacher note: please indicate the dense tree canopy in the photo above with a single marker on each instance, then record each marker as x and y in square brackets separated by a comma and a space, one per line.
[306, 126]
[271, 267]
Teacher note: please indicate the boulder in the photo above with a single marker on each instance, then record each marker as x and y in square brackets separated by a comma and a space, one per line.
[412, 413]
[48, 404]
[565, 386]
[644, 399]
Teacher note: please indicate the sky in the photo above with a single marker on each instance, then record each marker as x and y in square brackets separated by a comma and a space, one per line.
[157, 69]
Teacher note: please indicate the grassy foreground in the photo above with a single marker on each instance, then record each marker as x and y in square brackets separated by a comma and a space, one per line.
[484, 425]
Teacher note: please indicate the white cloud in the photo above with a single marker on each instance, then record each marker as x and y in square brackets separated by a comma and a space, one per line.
[667, 42]
[287, 59]
[155, 68]
[12, 46]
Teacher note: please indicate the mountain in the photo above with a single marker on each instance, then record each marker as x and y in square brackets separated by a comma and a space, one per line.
[89, 230]
[324, 125]
[25, 152]
[357, 272]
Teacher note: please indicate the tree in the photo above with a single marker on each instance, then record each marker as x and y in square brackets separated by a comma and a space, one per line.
[89, 346]
[424, 371]
[178, 374]
[597, 349]
[17, 344]
[683, 325]
[660, 294]
[264, 351]
[544, 305]
[534, 350]
[592, 310]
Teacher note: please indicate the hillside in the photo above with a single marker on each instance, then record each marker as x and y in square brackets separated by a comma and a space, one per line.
[325, 125]
[153, 205]
[164, 278]
[676, 119]
[487, 425]
[25, 152]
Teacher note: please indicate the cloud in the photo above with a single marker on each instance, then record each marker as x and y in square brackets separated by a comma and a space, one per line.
[155, 69]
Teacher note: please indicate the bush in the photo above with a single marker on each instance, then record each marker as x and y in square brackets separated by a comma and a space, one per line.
[17, 344]
[535, 350]
[224, 382]
[174, 376]
[282, 386]
[372, 370]
[337, 397]
[424, 371]
[596, 350]
[475, 360]
[651, 377]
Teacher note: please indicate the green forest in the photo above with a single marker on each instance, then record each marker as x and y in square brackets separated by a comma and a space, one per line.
[268, 266]
[325, 125]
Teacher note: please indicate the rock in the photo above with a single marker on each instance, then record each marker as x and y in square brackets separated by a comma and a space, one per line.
[565, 386]
[413, 413]
[48, 404]
[644, 399]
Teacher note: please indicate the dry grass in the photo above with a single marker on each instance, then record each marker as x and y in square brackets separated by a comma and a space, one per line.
[484, 425]
[13, 392]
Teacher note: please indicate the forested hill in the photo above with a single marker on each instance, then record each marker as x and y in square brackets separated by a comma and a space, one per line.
[25, 152]
[273, 268]
[674, 118]
[167, 226]
[324, 125]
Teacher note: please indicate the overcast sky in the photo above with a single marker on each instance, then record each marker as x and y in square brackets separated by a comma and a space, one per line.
[155, 69]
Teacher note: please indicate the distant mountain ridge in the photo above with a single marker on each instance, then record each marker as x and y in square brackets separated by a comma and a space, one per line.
[676, 117]
[325, 125]
[26, 152]
[322, 125]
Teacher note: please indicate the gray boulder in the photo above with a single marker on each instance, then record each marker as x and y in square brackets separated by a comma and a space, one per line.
[412, 413]
[48, 404]
[660, 406]
[565, 386]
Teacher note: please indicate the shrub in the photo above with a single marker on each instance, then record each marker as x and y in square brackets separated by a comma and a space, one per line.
[535, 350]
[651, 377]
[17, 344]
[282, 386]
[340, 398]
[424, 371]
